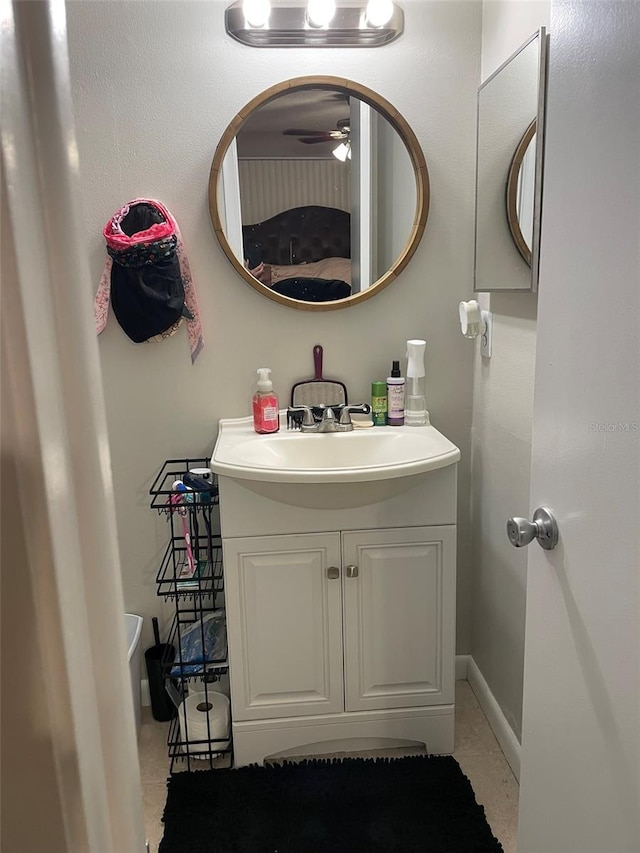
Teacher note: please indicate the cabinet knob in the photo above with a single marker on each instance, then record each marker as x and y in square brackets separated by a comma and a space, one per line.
[333, 572]
[352, 571]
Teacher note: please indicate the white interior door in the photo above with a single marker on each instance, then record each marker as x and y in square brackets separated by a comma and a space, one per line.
[580, 778]
[72, 707]
[363, 169]
[230, 201]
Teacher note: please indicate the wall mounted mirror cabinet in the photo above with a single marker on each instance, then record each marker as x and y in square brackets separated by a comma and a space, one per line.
[319, 193]
[509, 168]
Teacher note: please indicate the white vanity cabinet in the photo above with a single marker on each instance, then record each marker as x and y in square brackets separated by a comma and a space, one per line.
[331, 622]
[284, 614]
[398, 607]
[340, 622]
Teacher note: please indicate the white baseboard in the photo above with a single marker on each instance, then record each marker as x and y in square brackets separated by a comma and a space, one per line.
[462, 664]
[493, 712]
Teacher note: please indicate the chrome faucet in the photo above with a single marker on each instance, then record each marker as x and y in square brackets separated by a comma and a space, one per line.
[328, 421]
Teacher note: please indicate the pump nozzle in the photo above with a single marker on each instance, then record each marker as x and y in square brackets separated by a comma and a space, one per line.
[415, 358]
[264, 379]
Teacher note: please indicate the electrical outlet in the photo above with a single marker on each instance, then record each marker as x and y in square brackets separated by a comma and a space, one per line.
[487, 335]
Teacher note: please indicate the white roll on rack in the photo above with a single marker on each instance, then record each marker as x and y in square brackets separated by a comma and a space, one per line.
[204, 716]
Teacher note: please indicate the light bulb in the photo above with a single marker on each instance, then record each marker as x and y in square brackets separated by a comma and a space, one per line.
[342, 151]
[256, 12]
[379, 12]
[320, 12]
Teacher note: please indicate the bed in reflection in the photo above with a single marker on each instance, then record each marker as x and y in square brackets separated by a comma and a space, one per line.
[303, 253]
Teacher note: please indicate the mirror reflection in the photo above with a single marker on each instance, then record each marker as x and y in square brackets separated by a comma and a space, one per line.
[319, 197]
[509, 156]
[521, 193]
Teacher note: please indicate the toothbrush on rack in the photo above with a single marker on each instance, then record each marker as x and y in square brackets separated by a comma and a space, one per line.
[176, 501]
[188, 568]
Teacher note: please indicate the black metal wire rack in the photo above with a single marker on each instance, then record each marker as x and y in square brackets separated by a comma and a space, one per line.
[175, 469]
[190, 751]
[207, 579]
[191, 576]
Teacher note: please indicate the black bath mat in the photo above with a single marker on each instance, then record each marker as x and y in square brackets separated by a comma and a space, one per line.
[404, 805]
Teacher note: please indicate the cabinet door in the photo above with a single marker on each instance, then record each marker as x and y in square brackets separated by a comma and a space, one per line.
[284, 625]
[399, 617]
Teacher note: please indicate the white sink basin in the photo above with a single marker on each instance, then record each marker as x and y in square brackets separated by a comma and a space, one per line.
[290, 456]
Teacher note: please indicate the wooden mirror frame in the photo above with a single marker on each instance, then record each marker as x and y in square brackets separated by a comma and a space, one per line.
[512, 192]
[348, 87]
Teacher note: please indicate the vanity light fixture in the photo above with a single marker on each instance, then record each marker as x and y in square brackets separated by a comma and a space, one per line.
[316, 23]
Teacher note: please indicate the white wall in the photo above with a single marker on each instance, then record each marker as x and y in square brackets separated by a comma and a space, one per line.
[501, 432]
[155, 85]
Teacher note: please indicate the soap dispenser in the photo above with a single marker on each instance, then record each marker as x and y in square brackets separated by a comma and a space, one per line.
[265, 404]
[415, 413]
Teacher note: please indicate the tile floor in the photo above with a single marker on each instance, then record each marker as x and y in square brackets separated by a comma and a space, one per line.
[476, 751]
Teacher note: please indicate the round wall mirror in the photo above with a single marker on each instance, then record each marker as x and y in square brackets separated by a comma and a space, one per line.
[319, 193]
[521, 192]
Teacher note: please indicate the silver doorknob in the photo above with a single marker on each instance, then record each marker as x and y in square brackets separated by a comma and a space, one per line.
[544, 528]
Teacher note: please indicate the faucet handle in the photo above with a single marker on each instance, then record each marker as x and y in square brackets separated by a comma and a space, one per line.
[360, 409]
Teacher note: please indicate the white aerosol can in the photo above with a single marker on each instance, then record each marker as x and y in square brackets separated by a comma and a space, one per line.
[416, 413]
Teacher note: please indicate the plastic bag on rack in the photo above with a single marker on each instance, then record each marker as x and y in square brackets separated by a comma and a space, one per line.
[211, 629]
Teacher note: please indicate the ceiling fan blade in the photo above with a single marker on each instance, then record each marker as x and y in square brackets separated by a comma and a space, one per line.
[315, 139]
[297, 132]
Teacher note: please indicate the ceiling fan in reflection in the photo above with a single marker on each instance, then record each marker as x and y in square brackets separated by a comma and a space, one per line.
[312, 137]
[341, 135]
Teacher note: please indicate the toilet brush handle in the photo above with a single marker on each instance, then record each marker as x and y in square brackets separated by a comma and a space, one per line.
[156, 631]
